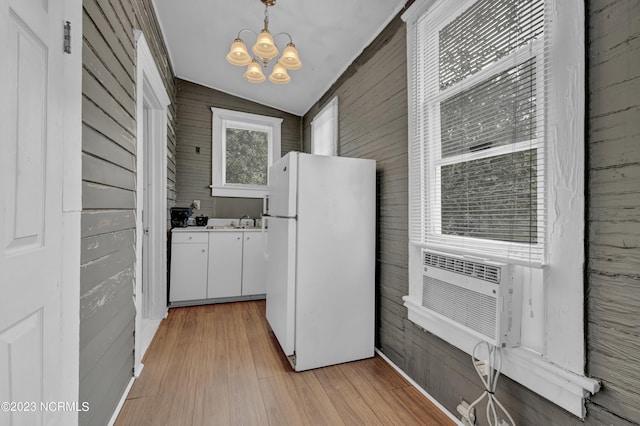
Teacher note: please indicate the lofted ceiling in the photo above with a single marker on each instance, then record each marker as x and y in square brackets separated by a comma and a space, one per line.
[329, 35]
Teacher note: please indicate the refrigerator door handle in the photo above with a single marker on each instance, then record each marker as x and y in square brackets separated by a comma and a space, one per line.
[264, 236]
[265, 205]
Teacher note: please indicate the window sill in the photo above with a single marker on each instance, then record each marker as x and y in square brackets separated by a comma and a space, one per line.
[220, 191]
[562, 387]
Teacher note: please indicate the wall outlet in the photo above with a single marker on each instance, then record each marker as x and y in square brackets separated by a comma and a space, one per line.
[468, 417]
[196, 204]
[483, 367]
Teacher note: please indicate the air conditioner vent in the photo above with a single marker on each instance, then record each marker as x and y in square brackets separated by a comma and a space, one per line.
[466, 307]
[480, 271]
[483, 299]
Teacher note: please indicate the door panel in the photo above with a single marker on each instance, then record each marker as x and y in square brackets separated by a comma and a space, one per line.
[254, 265]
[27, 139]
[225, 265]
[188, 272]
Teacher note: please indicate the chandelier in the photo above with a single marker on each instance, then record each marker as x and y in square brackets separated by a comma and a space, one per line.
[265, 50]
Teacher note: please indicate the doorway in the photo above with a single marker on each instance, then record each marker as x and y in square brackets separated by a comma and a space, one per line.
[151, 208]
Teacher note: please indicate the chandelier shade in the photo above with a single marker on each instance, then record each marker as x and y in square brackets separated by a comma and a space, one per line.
[265, 46]
[264, 51]
[238, 54]
[290, 58]
[254, 72]
[279, 74]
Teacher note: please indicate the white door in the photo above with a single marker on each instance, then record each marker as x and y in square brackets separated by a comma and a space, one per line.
[32, 126]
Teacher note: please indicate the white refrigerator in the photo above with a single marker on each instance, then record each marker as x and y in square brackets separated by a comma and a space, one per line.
[320, 250]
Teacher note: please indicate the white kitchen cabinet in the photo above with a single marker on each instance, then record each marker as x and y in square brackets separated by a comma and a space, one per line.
[254, 265]
[189, 264]
[211, 266]
[225, 265]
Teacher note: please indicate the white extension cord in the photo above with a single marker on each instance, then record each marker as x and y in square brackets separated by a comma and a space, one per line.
[489, 372]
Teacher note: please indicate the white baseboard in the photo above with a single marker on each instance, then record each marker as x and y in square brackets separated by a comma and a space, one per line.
[419, 388]
[121, 403]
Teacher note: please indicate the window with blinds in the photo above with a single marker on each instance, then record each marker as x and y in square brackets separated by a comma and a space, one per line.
[477, 146]
[496, 107]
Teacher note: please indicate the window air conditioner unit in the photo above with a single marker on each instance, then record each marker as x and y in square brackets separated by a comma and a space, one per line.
[481, 297]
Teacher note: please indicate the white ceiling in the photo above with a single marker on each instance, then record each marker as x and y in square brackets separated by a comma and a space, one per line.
[329, 35]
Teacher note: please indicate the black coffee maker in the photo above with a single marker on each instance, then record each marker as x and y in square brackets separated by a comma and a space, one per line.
[179, 216]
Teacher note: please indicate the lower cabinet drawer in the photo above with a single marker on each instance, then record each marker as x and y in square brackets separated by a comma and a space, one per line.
[190, 237]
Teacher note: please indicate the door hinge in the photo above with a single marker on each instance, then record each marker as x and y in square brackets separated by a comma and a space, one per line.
[67, 37]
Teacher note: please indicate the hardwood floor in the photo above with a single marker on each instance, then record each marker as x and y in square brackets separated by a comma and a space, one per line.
[221, 365]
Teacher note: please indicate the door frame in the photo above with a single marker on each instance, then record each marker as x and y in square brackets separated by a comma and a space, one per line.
[71, 211]
[152, 95]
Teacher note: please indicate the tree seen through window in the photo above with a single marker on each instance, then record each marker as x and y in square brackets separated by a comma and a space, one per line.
[246, 156]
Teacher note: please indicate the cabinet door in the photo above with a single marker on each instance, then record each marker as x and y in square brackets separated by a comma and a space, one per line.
[225, 265]
[254, 265]
[188, 272]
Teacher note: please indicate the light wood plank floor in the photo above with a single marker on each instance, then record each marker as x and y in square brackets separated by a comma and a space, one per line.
[221, 365]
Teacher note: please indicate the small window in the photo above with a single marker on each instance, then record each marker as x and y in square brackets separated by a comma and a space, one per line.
[244, 147]
[324, 130]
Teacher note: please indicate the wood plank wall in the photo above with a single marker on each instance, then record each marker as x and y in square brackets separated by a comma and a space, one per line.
[194, 130]
[373, 124]
[613, 298]
[107, 310]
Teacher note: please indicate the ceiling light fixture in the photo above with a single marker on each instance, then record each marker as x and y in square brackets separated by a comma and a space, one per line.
[264, 51]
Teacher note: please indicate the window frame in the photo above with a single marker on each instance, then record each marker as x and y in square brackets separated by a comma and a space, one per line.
[223, 119]
[555, 370]
[331, 110]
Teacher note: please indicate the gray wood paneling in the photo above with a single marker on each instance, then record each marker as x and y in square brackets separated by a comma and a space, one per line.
[95, 118]
[126, 57]
[115, 291]
[99, 171]
[94, 39]
[100, 146]
[95, 349]
[108, 259]
[193, 170]
[120, 94]
[97, 246]
[97, 196]
[109, 392]
[95, 272]
[104, 100]
[613, 297]
[105, 221]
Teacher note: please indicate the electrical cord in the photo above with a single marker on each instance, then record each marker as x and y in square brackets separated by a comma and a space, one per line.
[491, 369]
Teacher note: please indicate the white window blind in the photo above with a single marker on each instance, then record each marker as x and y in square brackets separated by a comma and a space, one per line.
[324, 130]
[477, 181]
